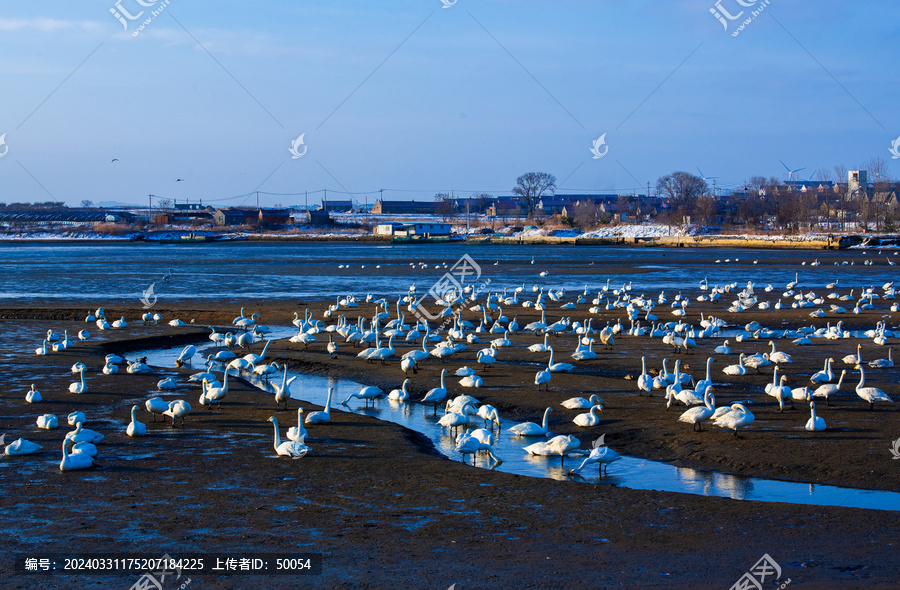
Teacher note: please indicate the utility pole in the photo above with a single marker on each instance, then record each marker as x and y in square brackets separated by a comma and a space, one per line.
[306, 199]
[325, 201]
[257, 200]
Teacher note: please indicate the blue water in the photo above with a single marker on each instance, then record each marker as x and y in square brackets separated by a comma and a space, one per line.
[117, 272]
[628, 472]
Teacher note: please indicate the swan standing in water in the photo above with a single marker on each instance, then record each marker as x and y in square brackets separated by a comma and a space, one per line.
[530, 428]
[869, 394]
[366, 393]
[323, 416]
[74, 461]
[437, 394]
[135, 428]
[298, 433]
[400, 395]
[558, 445]
[288, 448]
[489, 413]
[815, 423]
[600, 454]
[467, 444]
[283, 392]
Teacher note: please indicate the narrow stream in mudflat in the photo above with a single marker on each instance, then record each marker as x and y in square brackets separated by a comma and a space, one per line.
[628, 472]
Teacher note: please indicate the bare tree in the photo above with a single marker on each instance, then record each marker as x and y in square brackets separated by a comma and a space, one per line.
[87, 203]
[445, 205]
[683, 189]
[585, 215]
[531, 186]
[483, 201]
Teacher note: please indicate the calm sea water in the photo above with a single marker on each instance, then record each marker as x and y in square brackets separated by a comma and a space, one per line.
[250, 270]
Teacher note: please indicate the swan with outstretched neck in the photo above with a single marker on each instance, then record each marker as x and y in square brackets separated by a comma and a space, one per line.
[288, 448]
[530, 428]
[322, 416]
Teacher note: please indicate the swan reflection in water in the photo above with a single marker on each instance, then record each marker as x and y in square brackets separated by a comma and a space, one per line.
[716, 484]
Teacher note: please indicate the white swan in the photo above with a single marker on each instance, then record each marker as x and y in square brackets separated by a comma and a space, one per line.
[599, 454]
[288, 448]
[177, 409]
[829, 389]
[400, 395]
[696, 415]
[854, 359]
[75, 460]
[738, 416]
[738, 369]
[558, 445]
[366, 393]
[42, 351]
[453, 420]
[530, 428]
[826, 375]
[645, 381]
[283, 392]
[166, 384]
[322, 416]
[815, 423]
[558, 367]
[298, 433]
[155, 405]
[588, 419]
[81, 434]
[579, 403]
[110, 369]
[22, 447]
[78, 387]
[869, 394]
[75, 417]
[33, 396]
[135, 428]
[883, 363]
[467, 444]
[471, 381]
[437, 394]
[489, 413]
[48, 422]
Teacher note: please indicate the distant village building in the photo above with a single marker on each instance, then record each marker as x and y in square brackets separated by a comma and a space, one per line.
[231, 216]
[336, 206]
[11, 218]
[857, 180]
[273, 217]
[405, 208]
[412, 230]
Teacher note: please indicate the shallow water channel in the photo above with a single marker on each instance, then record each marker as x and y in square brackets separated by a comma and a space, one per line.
[628, 472]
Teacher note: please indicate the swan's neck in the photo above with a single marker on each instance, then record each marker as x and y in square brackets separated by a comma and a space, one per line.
[546, 415]
[277, 434]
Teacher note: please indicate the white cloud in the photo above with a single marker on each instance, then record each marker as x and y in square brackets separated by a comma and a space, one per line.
[47, 25]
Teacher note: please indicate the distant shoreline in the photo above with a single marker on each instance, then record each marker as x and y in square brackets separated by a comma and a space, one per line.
[802, 241]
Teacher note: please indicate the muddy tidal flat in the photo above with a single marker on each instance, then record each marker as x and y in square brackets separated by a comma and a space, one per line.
[389, 506]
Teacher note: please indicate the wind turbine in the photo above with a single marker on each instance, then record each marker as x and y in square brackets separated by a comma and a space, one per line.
[791, 172]
[708, 178]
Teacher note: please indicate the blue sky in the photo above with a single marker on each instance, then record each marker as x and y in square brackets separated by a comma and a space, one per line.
[415, 98]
